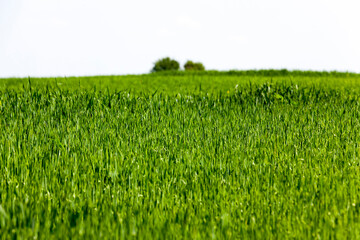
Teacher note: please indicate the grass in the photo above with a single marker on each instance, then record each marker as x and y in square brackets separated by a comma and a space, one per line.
[265, 159]
[171, 83]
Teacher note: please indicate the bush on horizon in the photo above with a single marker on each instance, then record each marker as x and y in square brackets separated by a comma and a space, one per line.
[191, 66]
[166, 64]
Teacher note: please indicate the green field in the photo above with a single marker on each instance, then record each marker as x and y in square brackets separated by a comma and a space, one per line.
[209, 155]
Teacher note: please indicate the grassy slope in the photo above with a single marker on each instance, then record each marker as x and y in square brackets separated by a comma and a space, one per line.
[187, 82]
[276, 160]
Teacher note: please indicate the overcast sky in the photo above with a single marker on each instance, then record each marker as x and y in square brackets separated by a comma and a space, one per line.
[102, 37]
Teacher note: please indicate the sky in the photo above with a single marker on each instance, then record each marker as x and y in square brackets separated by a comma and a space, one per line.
[115, 37]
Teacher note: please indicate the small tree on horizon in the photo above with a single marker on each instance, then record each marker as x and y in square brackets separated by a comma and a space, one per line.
[166, 64]
[191, 66]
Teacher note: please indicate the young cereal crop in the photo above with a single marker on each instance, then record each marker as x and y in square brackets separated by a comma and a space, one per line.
[262, 160]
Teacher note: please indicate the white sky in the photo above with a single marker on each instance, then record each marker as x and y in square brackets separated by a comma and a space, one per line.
[88, 37]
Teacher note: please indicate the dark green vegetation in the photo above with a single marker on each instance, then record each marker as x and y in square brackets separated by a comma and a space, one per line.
[205, 156]
[166, 64]
[191, 66]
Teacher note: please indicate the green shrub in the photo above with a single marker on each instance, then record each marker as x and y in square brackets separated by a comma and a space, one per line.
[166, 64]
[191, 66]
